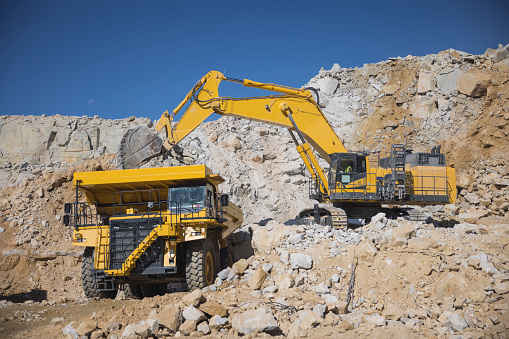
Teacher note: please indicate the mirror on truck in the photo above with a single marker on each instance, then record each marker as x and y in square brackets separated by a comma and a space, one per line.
[225, 200]
[67, 208]
[67, 219]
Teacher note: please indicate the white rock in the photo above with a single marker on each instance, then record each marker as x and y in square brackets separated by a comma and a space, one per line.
[299, 260]
[320, 310]
[69, 330]
[203, 328]
[295, 239]
[192, 313]
[258, 320]
[322, 289]
[216, 322]
[378, 320]
[328, 85]
[456, 323]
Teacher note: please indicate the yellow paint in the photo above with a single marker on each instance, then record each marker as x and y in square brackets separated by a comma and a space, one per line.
[170, 253]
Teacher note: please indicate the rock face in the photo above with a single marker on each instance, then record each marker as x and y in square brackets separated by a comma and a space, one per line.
[61, 139]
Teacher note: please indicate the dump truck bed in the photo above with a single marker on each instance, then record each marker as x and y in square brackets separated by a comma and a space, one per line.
[144, 178]
[105, 189]
[102, 187]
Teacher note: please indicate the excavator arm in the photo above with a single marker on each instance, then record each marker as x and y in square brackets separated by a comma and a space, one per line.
[294, 109]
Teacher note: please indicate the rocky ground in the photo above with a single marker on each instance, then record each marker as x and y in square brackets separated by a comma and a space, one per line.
[444, 277]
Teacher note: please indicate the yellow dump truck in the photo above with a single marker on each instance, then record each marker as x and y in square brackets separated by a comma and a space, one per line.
[145, 228]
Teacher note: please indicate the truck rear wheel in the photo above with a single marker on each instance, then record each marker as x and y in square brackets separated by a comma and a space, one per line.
[88, 277]
[200, 264]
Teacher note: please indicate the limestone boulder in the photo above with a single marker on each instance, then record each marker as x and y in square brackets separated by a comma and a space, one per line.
[265, 239]
[188, 327]
[426, 82]
[213, 308]
[366, 250]
[403, 233]
[217, 322]
[240, 266]
[473, 217]
[283, 281]
[170, 317]
[446, 80]
[463, 180]
[308, 319]
[86, 327]
[192, 313]
[194, 298]
[258, 320]
[141, 329]
[257, 279]
[328, 85]
[473, 83]
[299, 260]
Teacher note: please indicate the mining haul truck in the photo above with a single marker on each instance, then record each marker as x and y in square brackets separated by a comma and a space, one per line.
[145, 228]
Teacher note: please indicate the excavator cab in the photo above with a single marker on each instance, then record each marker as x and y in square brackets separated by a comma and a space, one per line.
[347, 168]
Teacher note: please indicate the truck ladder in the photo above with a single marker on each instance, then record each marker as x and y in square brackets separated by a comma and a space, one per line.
[130, 262]
[102, 253]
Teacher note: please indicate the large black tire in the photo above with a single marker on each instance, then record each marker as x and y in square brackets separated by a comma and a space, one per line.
[200, 264]
[88, 279]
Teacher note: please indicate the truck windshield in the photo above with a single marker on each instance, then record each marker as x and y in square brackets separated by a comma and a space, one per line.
[191, 199]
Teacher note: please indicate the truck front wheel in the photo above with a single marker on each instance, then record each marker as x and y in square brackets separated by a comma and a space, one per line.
[88, 277]
[200, 264]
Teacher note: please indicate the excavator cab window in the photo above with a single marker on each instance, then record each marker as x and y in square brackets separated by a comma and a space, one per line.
[347, 168]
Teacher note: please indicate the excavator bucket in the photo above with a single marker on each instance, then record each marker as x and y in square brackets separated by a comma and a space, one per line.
[138, 145]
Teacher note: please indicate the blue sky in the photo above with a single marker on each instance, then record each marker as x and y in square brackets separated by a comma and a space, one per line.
[116, 59]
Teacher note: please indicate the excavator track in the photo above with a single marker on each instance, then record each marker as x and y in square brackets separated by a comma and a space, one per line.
[338, 215]
[329, 215]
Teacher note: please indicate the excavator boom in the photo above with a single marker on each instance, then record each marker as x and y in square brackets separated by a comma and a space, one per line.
[292, 108]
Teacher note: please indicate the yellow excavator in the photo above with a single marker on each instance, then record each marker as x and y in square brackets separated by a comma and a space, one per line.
[352, 187]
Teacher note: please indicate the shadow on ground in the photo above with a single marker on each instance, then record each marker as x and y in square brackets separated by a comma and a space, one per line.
[447, 223]
[34, 295]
